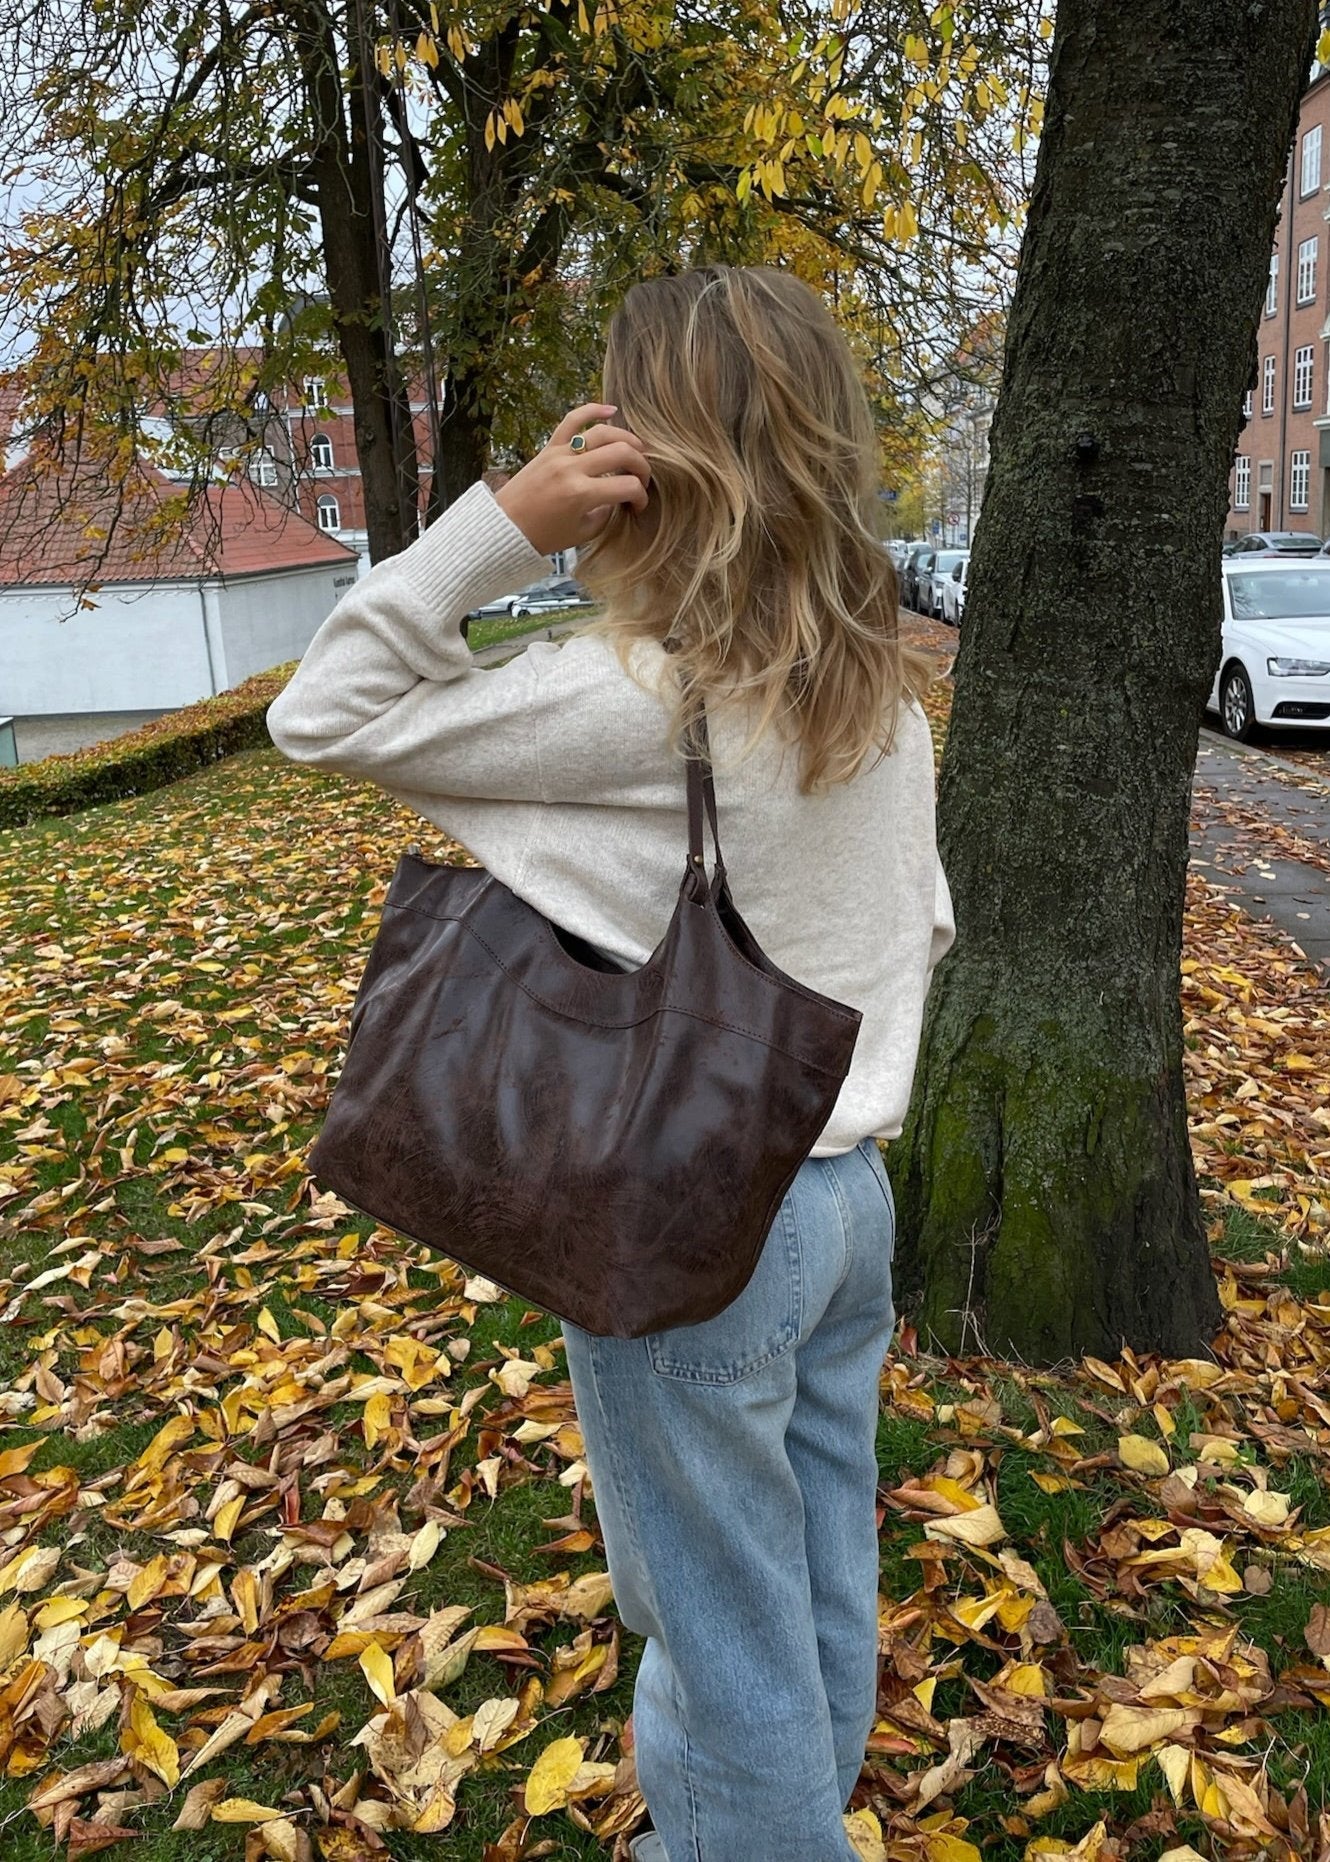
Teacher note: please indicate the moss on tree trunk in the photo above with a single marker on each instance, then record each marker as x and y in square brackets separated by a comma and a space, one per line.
[1047, 1201]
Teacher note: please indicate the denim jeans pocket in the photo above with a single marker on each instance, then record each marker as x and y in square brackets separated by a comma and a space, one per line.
[877, 1164]
[763, 1322]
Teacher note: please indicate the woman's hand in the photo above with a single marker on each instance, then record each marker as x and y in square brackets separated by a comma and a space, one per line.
[561, 497]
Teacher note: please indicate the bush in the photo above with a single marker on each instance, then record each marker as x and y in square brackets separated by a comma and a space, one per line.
[145, 759]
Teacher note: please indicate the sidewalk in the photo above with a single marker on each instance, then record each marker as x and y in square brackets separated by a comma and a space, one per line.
[1260, 820]
[1261, 829]
[57, 733]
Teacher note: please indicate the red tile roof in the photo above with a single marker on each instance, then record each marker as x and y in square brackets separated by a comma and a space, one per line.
[55, 531]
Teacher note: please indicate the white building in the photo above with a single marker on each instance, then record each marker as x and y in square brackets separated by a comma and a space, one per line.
[242, 588]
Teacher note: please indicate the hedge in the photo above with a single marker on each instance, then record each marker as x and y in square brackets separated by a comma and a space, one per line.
[146, 759]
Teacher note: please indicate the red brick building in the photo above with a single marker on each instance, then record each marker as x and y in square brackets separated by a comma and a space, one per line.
[1281, 468]
[310, 461]
[305, 454]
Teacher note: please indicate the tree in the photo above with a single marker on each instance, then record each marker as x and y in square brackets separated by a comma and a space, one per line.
[472, 191]
[1046, 1191]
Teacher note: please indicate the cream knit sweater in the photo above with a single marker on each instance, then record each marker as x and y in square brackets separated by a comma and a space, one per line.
[554, 771]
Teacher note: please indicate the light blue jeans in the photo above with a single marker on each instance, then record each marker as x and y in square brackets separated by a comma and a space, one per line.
[735, 1480]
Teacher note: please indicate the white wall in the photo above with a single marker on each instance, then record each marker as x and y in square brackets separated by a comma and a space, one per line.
[269, 619]
[154, 648]
[137, 650]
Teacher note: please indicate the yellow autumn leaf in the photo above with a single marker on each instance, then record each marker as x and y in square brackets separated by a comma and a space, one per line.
[13, 1634]
[1093, 1773]
[1266, 1508]
[146, 1582]
[144, 1740]
[980, 1527]
[53, 1612]
[550, 1776]
[1174, 1762]
[424, 1545]
[1207, 1797]
[167, 1439]
[941, 1847]
[1129, 1729]
[377, 1668]
[227, 1516]
[378, 1411]
[1210, 1560]
[1086, 1850]
[962, 1498]
[1141, 1455]
[1050, 1483]
[865, 1834]
[491, 1721]
[243, 1810]
[281, 1839]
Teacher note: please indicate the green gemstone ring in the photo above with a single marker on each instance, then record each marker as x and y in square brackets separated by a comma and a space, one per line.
[578, 442]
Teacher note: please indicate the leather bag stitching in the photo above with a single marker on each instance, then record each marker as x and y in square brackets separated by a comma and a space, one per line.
[658, 1008]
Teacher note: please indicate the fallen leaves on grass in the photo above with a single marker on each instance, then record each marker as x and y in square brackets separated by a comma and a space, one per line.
[256, 1428]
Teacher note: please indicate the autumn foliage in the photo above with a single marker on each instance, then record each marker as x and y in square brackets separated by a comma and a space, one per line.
[296, 1537]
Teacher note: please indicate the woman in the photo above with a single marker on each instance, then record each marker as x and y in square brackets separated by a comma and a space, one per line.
[721, 498]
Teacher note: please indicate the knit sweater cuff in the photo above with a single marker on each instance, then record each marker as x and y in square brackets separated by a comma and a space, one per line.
[474, 549]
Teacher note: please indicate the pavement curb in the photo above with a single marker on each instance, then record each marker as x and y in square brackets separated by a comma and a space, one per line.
[503, 650]
[1254, 754]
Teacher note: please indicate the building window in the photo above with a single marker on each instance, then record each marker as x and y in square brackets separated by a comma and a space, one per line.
[1307, 271]
[330, 518]
[1302, 377]
[1311, 160]
[313, 392]
[1247, 404]
[263, 468]
[321, 453]
[1268, 386]
[1272, 289]
[1299, 478]
[1242, 482]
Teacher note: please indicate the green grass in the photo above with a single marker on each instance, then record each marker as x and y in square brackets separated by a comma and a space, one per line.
[1247, 1241]
[210, 866]
[488, 633]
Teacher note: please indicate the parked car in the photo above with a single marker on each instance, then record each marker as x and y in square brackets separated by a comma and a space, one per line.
[953, 592]
[549, 597]
[1274, 667]
[918, 562]
[930, 585]
[1282, 542]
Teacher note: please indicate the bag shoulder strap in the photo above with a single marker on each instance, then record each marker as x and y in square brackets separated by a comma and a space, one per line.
[701, 794]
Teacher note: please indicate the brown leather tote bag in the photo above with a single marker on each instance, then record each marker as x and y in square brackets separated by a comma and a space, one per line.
[610, 1145]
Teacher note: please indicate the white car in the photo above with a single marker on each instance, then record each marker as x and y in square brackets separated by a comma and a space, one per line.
[1275, 663]
[930, 583]
[953, 592]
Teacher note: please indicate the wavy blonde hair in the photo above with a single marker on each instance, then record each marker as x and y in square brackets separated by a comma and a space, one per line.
[755, 563]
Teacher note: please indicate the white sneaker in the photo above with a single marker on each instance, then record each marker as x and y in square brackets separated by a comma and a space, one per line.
[647, 1848]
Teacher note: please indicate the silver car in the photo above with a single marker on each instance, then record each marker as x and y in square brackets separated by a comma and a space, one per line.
[930, 585]
[953, 592]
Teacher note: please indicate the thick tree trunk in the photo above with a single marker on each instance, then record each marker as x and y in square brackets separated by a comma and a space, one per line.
[347, 179]
[1047, 1201]
[464, 441]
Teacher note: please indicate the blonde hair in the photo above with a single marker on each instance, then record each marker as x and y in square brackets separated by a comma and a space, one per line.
[755, 563]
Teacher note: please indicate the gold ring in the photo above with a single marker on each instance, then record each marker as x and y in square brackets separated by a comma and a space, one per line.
[578, 442]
